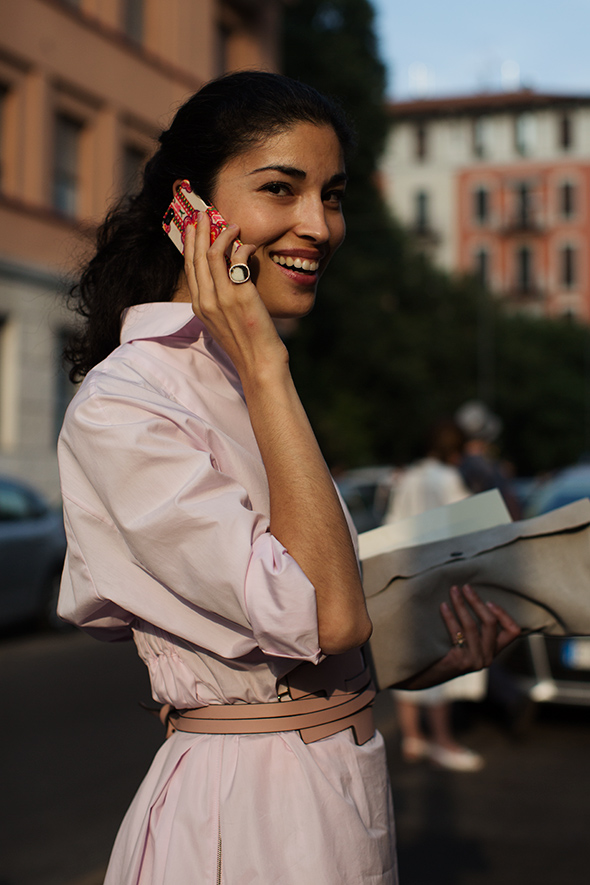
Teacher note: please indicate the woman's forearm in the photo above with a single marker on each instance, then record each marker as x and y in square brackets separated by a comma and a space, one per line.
[305, 511]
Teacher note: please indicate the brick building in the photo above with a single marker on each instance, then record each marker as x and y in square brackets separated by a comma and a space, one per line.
[499, 185]
[85, 85]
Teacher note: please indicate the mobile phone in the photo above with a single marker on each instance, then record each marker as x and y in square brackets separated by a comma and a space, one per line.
[182, 211]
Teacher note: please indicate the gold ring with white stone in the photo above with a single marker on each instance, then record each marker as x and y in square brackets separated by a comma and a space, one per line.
[239, 273]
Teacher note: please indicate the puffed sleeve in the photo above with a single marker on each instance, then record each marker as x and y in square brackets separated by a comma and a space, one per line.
[156, 531]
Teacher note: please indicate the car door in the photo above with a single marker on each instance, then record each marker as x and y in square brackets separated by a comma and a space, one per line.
[24, 524]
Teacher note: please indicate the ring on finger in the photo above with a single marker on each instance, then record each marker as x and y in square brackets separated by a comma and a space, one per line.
[239, 273]
[459, 639]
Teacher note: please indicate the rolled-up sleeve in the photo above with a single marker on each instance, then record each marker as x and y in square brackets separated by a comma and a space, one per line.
[157, 531]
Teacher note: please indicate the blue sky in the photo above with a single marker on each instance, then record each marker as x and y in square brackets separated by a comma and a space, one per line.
[443, 47]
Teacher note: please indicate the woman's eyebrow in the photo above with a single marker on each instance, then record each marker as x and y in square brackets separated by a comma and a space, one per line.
[284, 170]
[293, 172]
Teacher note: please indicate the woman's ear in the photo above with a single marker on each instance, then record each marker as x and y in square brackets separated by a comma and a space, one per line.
[176, 185]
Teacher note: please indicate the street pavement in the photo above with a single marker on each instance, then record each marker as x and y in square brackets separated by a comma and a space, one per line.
[75, 745]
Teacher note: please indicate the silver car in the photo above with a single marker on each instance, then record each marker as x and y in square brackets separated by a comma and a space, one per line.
[32, 550]
[548, 668]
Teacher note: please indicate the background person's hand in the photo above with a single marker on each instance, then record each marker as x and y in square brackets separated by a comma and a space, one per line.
[476, 640]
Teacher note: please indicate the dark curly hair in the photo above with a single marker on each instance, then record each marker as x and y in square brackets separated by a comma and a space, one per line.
[135, 261]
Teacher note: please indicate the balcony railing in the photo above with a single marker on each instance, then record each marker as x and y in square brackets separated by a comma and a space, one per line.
[531, 293]
[530, 223]
[424, 234]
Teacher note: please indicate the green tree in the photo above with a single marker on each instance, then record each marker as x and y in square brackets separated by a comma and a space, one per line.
[393, 342]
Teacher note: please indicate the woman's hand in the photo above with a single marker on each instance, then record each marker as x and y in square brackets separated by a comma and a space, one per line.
[474, 645]
[234, 314]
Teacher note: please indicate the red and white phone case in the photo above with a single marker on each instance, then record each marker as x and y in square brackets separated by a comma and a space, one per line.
[183, 210]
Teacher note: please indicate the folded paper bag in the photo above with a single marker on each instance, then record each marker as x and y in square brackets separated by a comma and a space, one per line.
[537, 569]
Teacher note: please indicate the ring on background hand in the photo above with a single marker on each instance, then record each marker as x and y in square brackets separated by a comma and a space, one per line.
[239, 273]
[459, 639]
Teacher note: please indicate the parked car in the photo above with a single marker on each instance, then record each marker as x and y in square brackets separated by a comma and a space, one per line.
[550, 669]
[366, 492]
[32, 550]
[562, 488]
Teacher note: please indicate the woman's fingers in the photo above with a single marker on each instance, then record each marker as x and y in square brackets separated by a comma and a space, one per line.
[488, 625]
[481, 639]
[196, 242]
[189, 262]
[509, 629]
[206, 265]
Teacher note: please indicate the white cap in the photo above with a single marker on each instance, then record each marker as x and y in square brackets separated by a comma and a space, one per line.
[477, 421]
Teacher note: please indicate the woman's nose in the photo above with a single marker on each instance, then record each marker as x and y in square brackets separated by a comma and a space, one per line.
[312, 222]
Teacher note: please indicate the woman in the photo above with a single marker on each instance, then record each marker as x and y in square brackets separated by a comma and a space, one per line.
[203, 522]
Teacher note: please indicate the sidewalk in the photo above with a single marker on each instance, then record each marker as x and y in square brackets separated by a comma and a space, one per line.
[94, 878]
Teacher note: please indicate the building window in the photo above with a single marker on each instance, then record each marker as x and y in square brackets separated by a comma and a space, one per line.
[221, 47]
[482, 267]
[567, 199]
[568, 269]
[480, 145]
[481, 205]
[524, 269]
[525, 131]
[66, 169]
[422, 208]
[133, 19]
[3, 94]
[133, 163]
[8, 384]
[421, 146]
[565, 132]
[523, 205]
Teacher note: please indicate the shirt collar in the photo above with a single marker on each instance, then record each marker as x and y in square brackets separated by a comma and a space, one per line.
[160, 319]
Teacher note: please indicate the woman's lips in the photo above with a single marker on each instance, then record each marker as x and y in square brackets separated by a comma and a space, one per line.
[303, 271]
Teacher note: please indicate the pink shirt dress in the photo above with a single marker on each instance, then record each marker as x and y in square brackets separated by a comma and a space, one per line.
[167, 515]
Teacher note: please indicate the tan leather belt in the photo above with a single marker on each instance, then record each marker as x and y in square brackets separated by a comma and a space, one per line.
[339, 704]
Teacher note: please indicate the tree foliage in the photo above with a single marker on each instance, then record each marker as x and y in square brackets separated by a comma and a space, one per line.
[394, 343]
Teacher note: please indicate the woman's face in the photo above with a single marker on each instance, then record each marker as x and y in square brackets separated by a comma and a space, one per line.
[285, 195]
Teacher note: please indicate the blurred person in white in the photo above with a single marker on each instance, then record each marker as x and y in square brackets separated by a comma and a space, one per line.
[435, 481]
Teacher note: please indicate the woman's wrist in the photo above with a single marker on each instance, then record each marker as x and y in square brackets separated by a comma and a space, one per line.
[267, 377]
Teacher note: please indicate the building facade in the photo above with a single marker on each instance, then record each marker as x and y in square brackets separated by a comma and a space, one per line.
[85, 86]
[498, 185]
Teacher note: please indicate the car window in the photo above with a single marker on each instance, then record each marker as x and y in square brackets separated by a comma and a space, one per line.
[16, 504]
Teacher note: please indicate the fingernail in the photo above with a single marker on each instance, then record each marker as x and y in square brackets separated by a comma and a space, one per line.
[467, 588]
[445, 606]
[491, 605]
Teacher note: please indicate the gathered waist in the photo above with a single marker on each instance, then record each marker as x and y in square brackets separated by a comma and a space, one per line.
[315, 701]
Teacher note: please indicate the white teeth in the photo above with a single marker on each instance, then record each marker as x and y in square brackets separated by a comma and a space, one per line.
[299, 263]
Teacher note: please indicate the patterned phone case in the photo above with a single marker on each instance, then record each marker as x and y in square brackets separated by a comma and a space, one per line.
[182, 211]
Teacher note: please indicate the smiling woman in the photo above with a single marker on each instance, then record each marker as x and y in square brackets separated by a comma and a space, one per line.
[285, 196]
[202, 520]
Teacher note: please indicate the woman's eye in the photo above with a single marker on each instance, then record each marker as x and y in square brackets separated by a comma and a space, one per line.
[334, 196]
[277, 187]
